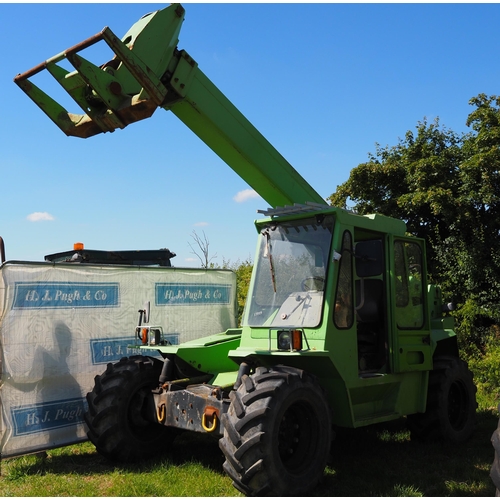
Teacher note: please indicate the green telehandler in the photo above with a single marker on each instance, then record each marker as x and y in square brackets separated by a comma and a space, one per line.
[341, 327]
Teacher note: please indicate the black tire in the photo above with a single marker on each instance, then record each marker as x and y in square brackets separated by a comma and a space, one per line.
[277, 433]
[117, 420]
[495, 467]
[451, 404]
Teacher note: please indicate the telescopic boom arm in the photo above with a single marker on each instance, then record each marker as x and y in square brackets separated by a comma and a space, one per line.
[149, 72]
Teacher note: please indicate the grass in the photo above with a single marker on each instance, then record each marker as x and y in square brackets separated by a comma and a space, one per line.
[382, 461]
[193, 467]
[372, 461]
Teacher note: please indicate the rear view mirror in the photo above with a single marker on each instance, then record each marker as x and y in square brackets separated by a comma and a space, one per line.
[146, 311]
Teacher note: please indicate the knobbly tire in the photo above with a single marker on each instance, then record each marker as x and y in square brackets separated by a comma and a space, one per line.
[451, 404]
[117, 416]
[495, 467]
[277, 433]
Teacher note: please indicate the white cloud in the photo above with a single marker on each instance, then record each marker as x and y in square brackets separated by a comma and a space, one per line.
[201, 224]
[38, 216]
[246, 194]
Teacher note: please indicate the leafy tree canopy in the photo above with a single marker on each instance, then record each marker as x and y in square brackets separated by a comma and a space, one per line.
[446, 187]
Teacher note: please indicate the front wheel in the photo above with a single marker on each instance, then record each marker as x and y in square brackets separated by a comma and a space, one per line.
[451, 404]
[118, 416]
[495, 467]
[277, 433]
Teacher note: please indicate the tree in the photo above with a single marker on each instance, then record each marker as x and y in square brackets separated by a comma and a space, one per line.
[243, 270]
[414, 181]
[479, 217]
[202, 251]
[446, 187]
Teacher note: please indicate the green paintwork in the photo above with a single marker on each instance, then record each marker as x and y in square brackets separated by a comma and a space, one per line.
[207, 354]
[362, 387]
[134, 90]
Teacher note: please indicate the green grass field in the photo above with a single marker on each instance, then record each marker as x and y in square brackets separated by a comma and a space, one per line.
[373, 461]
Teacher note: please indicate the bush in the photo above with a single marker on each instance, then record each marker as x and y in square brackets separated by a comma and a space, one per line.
[243, 270]
[486, 369]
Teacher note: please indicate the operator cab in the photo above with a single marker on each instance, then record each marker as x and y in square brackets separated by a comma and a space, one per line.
[388, 311]
[290, 274]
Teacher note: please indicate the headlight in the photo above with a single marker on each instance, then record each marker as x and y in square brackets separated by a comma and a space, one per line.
[284, 341]
[289, 340]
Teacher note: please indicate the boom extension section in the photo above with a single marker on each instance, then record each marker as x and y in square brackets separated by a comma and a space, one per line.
[148, 72]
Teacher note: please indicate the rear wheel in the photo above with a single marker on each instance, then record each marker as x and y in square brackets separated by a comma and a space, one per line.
[277, 433]
[119, 406]
[495, 467]
[451, 404]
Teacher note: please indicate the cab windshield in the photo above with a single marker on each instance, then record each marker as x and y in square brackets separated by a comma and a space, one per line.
[290, 273]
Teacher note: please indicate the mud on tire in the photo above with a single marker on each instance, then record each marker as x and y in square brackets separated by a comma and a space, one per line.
[117, 416]
[451, 404]
[277, 433]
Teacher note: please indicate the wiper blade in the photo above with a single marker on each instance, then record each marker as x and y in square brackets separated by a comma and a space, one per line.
[270, 256]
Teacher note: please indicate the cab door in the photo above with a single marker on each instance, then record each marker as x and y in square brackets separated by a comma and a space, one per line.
[411, 349]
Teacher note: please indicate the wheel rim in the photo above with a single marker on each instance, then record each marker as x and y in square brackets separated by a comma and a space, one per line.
[297, 437]
[457, 405]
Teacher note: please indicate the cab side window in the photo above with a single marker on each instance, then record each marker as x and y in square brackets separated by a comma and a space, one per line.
[344, 311]
[408, 284]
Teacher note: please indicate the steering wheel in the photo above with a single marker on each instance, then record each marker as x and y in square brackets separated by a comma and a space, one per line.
[316, 283]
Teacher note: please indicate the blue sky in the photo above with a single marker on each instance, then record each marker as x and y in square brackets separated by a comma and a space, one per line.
[322, 82]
